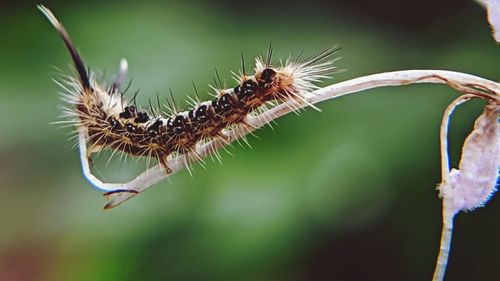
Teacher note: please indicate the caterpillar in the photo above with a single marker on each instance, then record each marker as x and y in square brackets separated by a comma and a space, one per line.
[163, 132]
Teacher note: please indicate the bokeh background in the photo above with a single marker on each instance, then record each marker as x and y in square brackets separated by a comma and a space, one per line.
[345, 194]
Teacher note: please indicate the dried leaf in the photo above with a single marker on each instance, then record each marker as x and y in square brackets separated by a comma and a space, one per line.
[475, 181]
[493, 7]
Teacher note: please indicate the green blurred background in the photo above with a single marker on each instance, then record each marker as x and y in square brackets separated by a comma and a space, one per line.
[346, 194]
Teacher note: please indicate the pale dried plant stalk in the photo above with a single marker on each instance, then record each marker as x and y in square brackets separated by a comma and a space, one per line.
[120, 192]
[483, 145]
[447, 220]
[472, 185]
[445, 161]
[464, 189]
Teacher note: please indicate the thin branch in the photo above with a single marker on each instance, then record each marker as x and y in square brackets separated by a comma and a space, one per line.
[122, 192]
[443, 134]
[448, 214]
[445, 244]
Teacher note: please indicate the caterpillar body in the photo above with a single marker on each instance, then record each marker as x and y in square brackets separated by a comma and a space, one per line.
[113, 123]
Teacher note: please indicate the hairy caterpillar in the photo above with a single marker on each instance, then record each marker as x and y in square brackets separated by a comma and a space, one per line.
[110, 122]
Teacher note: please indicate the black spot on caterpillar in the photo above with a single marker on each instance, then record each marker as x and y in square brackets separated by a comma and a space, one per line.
[113, 123]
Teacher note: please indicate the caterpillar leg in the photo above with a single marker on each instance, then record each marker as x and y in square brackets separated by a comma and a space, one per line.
[163, 162]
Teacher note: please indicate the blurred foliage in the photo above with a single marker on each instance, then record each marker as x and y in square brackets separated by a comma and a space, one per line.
[345, 194]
